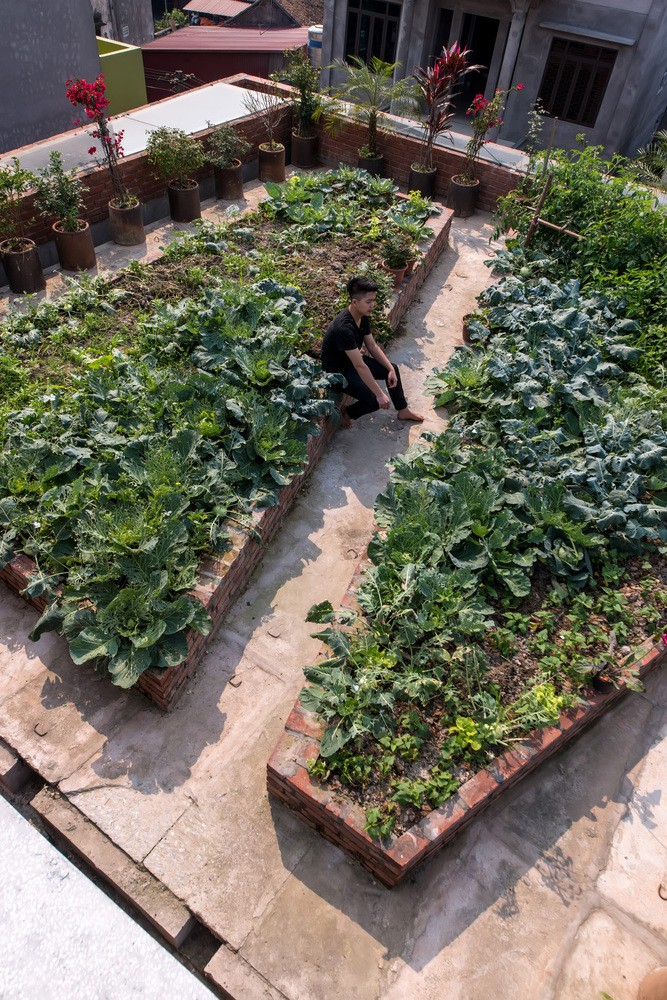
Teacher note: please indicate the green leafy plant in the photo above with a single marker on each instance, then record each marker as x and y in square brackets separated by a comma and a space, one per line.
[175, 155]
[59, 193]
[226, 145]
[14, 182]
[307, 103]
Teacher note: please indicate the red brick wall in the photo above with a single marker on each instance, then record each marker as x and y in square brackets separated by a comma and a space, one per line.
[400, 151]
[139, 177]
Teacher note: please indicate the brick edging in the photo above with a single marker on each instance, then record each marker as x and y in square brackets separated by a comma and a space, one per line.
[341, 820]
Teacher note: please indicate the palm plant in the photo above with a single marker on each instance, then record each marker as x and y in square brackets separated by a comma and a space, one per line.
[436, 88]
[650, 164]
[371, 89]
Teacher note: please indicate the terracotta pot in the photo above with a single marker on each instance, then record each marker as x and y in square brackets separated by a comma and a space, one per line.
[229, 182]
[411, 266]
[373, 164]
[463, 197]
[422, 181]
[76, 251]
[184, 202]
[127, 225]
[271, 163]
[398, 273]
[304, 148]
[23, 268]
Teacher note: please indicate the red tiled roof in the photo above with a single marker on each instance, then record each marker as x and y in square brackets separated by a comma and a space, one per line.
[306, 12]
[231, 39]
[217, 8]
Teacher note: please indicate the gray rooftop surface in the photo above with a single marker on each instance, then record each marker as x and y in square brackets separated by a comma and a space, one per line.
[63, 938]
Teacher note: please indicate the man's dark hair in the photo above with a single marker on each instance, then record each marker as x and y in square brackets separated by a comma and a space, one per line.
[359, 286]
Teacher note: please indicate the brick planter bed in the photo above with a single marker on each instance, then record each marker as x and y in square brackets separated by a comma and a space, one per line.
[223, 580]
[341, 820]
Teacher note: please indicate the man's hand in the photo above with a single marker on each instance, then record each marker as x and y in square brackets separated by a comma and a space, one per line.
[383, 401]
[392, 381]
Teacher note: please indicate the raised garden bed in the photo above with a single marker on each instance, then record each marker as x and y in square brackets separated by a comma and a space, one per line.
[220, 579]
[520, 557]
[343, 821]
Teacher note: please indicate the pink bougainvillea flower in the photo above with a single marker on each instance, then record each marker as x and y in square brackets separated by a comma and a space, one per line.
[93, 149]
[520, 86]
[664, 638]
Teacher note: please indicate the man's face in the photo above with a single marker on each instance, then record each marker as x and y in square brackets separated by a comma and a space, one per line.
[365, 303]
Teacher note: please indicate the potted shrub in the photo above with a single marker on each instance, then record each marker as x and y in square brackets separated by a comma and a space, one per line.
[269, 107]
[177, 157]
[396, 248]
[435, 92]
[371, 89]
[484, 116]
[125, 219]
[307, 105]
[19, 255]
[59, 194]
[225, 151]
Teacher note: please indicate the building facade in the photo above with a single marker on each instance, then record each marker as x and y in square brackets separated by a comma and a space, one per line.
[599, 68]
[129, 21]
[43, 45]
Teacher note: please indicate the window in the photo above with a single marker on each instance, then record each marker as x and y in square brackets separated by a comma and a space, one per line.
[575, 80]
[372, 29]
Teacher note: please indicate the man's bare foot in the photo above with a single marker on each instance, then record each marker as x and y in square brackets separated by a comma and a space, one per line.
[408, 414]
[347, 419]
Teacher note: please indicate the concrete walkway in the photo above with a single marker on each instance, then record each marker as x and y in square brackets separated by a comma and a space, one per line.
[556, 893]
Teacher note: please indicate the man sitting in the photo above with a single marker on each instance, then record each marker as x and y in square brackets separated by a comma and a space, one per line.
[341, 353]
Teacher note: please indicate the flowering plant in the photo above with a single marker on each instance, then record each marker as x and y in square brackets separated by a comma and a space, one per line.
[92, 98]
[484, 116]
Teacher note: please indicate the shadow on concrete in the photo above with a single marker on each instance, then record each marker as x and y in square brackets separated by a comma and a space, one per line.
[542, 837]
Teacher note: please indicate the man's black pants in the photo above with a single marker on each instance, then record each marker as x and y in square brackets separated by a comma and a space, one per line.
[366, 400]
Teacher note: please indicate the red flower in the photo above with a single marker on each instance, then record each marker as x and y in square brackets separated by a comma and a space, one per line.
[93, 149]
[520, 86]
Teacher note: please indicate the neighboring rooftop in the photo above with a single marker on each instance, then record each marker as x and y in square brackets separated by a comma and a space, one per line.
[216, 8]
[226, 39]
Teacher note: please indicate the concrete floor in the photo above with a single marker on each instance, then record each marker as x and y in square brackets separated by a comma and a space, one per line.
[556, 894]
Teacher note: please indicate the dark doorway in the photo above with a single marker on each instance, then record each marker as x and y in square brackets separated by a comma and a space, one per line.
[479, 35]
[441, 35]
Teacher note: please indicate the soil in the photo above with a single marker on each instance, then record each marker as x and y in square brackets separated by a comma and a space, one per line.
[512, 673]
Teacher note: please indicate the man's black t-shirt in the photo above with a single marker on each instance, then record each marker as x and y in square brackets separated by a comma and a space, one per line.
[343, 335]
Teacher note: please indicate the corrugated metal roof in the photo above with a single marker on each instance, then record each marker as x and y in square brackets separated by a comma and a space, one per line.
[217, 8]
[231, 39]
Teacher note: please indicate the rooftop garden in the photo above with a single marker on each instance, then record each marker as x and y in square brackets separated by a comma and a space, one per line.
[142, 415]
[521, 554]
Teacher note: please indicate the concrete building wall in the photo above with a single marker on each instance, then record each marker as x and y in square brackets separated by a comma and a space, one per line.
[636, 94]
[129, 21]
[43, 45]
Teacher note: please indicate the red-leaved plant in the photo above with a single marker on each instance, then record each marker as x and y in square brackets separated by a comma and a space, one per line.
[484, 116]
[436, 88]
[92, 98]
